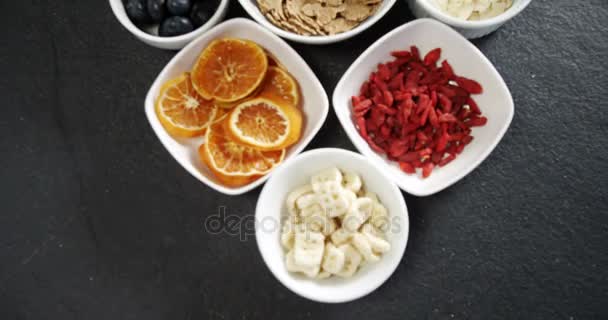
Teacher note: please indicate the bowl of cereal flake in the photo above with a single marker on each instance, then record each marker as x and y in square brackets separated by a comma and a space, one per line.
[317, 21]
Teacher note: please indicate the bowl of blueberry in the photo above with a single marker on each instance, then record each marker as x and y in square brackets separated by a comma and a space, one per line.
[168, 24]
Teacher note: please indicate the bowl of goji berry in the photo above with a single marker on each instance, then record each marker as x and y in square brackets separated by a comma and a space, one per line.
[424, 105]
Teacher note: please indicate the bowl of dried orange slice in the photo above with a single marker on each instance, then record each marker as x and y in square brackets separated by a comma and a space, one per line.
[234, 104]
[317, 21]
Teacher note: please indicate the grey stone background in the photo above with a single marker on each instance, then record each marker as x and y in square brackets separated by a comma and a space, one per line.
[99, 222]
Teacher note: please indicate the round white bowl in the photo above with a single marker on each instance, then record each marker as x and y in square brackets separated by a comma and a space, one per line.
[252, 9]
[271, 205]
[171, 43]
[469, 29]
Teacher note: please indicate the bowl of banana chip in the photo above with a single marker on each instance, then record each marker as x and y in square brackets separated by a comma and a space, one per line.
[472, 18]
[331, 226]
[317, 21]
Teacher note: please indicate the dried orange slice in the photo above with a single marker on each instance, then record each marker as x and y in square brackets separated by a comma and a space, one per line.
[280, 87]
[230, 105]
[233, 162]
[263, 124]
[231, 181]
[181, 110]
[229, 69]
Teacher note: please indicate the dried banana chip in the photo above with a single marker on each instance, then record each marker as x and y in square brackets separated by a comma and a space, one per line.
[473, 9]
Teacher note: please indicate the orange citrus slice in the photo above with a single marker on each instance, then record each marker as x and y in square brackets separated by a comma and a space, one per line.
[231, 181]
[230, 105]
[181, 110]
[229, 69]
[233, 161]
[280, 87]
[264, 124]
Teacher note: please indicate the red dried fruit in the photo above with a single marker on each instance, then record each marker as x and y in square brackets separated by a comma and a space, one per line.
[471, 86]
[388, 98]
[364, 91]
[445, 102]
[436, 157]
[397, 148]
[415, 53]
[409, 157]
[401, 54]
[396, 82]
[432, 57]
[383, 72]
[433, 119]
[447, 69]
[473, 105]
[447, 160]
[477, 122]
[386, 109]
[385, 131]
[411, 81]
[467, 139]
[409, 111]
[442, 142]
[447, 117]
[425, 152]
[407, 167]
[362, 104]
[427, 169]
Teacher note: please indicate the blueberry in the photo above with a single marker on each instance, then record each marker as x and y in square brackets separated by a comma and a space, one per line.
[175, 26]
[179, 7]
[156, 10]
[202, 11]
[137, 11]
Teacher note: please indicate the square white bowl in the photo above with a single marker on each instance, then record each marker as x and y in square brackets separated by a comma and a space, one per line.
[315, 104]
[495, 102]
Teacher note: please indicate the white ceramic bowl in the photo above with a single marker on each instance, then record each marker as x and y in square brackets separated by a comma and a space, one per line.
[171, 43]
[495, 102]
[315, 104]
[252, 9]
[469, 29]
[271, 206]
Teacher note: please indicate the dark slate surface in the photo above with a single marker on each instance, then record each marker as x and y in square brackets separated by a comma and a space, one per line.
[99, 222]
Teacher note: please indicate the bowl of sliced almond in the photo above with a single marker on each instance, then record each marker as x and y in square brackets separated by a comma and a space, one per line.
[317, 21]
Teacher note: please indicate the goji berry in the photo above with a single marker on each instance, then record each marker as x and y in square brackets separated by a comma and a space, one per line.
[383, 72]
[396, 82]
[447, 69]
[407, 167]
[388, 98]
[432, 57]
[409, 157]
[415, 112]
[477, 122]
[385, 109]
[447, 160]
[473, 105]
[415, 52]
[471, 86]
[447, 117]
[442, 142]
[427, 169]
